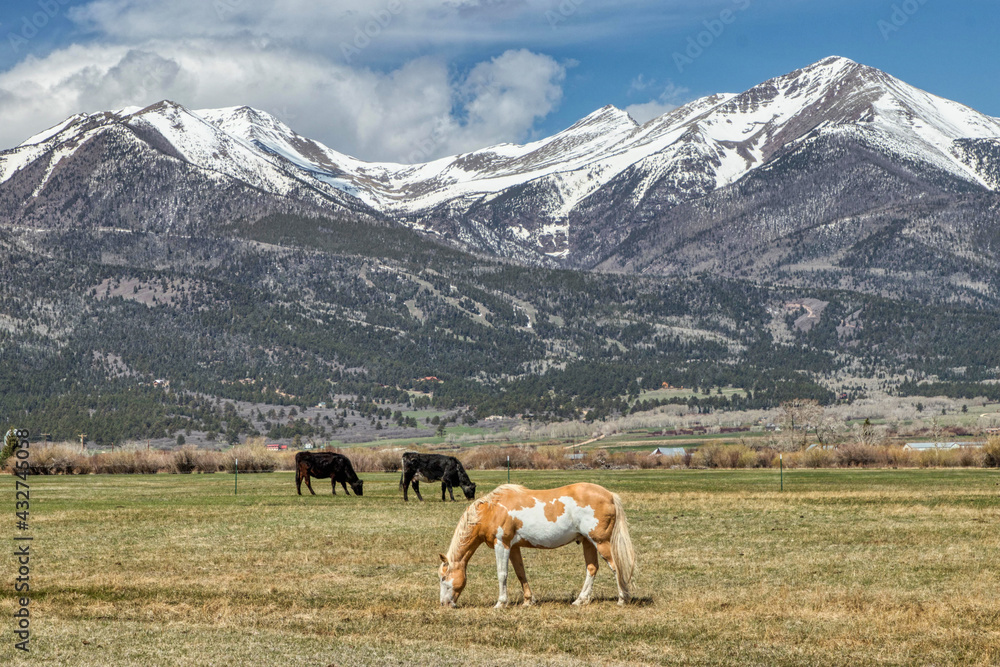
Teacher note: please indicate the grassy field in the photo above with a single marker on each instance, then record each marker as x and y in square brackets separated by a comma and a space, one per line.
[842, 568]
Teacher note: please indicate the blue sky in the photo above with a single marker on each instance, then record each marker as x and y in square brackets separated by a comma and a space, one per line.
[416, 79]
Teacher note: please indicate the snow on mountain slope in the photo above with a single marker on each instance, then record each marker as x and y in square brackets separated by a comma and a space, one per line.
[707, 144]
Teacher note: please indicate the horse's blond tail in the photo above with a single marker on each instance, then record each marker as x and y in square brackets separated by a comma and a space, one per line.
[621, 547]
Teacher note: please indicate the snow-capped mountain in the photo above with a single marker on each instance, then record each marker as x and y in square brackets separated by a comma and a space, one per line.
[574, 197]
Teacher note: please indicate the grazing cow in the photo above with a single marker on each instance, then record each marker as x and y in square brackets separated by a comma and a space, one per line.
[326, 464]
[431, 468]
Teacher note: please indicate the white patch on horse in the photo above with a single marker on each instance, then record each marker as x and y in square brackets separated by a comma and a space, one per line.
[447, 593]
[536, 529]
[503, 557]
[587, 592]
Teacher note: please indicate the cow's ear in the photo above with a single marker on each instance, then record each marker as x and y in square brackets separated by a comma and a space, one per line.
[444, 559]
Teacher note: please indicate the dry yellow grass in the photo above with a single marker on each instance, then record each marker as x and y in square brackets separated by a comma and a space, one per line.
[843, 568]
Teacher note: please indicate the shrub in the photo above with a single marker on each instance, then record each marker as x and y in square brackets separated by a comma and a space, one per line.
[9, 445]
[937, 458]
[253, 456]
[766, 457]
[492, 457]
[991, 452]
[374, 460]
[185, 459]
[856, 454]
[210, 461]
[190, 459]
[896, 457]
[720, 456]
[817, 458]
[57, 459]
[969, 457]
[551, 457]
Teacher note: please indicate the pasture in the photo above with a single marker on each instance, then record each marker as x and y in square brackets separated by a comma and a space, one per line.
[867, 567]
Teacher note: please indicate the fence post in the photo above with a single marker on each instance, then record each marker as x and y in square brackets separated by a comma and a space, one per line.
[781, 467]
[236, 477]
[508, 468]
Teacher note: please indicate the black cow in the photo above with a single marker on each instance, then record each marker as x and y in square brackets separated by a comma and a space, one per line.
[431, 468]
[326, 464]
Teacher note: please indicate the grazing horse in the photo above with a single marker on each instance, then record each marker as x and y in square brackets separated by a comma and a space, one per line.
[512, 517]
[431, 468]
[326, 464]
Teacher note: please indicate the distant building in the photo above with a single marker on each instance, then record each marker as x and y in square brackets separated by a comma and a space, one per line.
[938, 446]
[669, 451]
[819, 446]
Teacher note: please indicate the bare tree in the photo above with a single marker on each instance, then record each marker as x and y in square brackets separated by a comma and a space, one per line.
[798, 417]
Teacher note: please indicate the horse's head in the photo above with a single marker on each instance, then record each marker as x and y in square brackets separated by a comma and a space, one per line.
[470, 490]
[452, 579]
[358, 487]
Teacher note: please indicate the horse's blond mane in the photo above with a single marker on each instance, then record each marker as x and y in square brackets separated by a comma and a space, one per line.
[470, 518]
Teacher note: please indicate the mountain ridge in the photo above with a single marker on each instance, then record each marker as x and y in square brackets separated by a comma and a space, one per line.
[570, 199]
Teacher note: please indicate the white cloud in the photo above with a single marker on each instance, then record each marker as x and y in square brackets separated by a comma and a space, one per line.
[420, 110]
[403, 23]
[668, 100]
[643, 113]
[347, 72]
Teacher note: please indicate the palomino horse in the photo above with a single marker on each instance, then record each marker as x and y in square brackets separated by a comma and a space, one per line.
[512, 517]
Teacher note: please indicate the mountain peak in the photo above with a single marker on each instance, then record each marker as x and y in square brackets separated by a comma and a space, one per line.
[161, 107]
[833, 60]
[606, 115]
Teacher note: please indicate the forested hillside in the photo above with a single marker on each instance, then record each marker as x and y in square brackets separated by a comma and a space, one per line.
[296, 311]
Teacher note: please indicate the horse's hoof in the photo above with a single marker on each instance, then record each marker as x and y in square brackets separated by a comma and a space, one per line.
[529, 603]
[500, 605]
[579, 602]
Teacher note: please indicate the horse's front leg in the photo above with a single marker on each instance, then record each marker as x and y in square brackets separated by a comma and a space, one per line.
[515, 560]
[590, 556]
[503, 557]
[344, 484]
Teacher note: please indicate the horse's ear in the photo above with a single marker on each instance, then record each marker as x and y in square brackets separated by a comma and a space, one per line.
[444, 559]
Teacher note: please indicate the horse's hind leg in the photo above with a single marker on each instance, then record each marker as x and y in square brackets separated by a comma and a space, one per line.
[604, 549]
[515, 560]
[309, 484]
[590, 556]
[416, 490]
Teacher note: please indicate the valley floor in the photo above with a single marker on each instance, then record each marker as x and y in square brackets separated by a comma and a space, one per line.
[843, 567]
